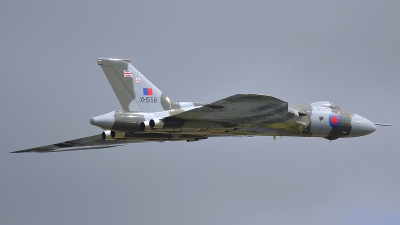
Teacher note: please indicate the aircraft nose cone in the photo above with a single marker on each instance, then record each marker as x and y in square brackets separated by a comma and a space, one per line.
[361, 126]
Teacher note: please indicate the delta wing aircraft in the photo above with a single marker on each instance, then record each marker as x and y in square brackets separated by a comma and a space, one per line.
[149, 115]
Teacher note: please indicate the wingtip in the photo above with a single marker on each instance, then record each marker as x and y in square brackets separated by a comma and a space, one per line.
[21, 151]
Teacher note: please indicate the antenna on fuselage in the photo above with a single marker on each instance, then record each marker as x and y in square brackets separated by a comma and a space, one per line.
[383, 124]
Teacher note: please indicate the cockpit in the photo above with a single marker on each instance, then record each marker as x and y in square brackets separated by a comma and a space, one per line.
[326, 104]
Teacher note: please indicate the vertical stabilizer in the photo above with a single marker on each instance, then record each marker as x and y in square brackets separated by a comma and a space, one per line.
[133, 90]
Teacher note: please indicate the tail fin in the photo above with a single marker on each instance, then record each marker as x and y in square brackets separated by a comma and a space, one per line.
[134, 91]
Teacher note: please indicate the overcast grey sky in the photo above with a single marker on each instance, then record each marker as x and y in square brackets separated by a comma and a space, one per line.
[346, 52]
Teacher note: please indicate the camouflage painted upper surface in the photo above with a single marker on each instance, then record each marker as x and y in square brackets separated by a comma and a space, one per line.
[149, 115]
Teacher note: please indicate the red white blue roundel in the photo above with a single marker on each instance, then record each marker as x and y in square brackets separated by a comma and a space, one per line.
[334, 120]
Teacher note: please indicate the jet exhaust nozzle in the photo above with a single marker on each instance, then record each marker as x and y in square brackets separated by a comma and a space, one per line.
[106, 135]
[156, 123]
[117, 135]
[144, 126]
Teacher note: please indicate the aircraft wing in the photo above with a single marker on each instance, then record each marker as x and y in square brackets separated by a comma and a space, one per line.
[240, 108]
[244, 108]
[92, 142]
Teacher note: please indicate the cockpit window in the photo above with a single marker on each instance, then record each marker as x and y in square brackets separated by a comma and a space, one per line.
[335, 106]
[326, 105]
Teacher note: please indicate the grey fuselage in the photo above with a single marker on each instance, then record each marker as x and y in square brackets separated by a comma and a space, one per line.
[320, 119]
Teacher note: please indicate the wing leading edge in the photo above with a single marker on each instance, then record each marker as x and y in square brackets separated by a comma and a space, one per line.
[247, 108]
[92, 142]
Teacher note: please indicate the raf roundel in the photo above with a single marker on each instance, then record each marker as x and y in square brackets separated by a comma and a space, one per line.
[334, 120]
